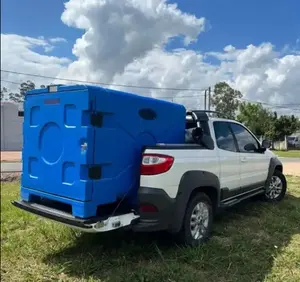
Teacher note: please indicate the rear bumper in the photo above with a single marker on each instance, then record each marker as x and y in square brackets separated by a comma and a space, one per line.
[155, 221]
[163, 219]
[91, 225]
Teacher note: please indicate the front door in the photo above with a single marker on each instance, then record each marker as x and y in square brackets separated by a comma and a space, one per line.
[254, 164]
[228, 157]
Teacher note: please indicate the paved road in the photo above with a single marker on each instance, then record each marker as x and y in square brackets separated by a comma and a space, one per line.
[17, 167]
[290, 160]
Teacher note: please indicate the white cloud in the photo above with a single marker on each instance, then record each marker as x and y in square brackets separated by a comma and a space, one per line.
[291, 48]
[119, 32]
[124, 43]
[55, 40]
[179, 69]
[261, 74]
[257, 71]
[18, 53]
[49, 48]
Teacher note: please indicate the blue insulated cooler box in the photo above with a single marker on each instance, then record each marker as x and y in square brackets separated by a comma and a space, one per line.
[83, 144]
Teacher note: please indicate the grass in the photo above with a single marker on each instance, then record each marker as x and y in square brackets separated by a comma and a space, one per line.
[288, 154]
[254, 241]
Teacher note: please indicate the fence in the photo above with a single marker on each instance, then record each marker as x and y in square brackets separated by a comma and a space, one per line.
[280, 145]
[283, 145]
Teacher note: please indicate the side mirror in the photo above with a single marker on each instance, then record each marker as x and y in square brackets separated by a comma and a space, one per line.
[250, 147]
[266, 144]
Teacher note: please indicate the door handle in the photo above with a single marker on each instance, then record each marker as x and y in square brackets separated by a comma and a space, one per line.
[243, 160]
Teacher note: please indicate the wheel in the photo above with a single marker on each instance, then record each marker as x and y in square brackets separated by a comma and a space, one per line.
[276, 190]
[197, 221]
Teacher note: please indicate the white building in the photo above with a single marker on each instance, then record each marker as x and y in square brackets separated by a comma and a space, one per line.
[11, 127]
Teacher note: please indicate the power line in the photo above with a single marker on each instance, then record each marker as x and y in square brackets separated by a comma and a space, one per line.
[265, 103]
[107, 84]
[160, 97]
[284, 106]
[12, 82]
[272, 105]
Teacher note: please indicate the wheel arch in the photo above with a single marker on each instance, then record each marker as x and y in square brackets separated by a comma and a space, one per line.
[191, 183]
[275, 164]
[279, 167]
[283, 188]
[210, 191]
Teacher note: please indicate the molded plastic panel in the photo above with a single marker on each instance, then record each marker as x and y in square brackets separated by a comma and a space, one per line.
[84, 143]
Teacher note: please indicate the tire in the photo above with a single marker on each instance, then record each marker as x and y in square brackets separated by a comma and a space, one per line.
[187, 234]
[273, 194]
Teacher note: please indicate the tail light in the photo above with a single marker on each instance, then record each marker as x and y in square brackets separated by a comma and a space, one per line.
[153, 164]
[148, 208]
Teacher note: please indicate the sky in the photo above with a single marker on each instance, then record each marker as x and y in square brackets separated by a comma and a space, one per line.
[191, 44]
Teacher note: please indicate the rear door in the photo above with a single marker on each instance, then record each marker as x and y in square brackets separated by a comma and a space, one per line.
[58, 147]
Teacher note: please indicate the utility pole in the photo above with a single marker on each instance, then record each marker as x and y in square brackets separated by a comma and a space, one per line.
[205, 100]
[209, 96]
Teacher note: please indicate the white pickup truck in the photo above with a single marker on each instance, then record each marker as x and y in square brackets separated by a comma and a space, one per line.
[182, 187]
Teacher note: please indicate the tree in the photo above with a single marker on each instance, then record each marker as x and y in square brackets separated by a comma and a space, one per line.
[257, 118]
[24, 87]
[285, 126]
[263, 122]
[3, 92]
[226, 99]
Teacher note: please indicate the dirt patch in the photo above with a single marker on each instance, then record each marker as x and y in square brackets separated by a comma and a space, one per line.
[7, 156]
[10, 177]
[291, 169]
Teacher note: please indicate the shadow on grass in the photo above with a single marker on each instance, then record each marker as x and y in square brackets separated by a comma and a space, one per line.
[245, 241]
